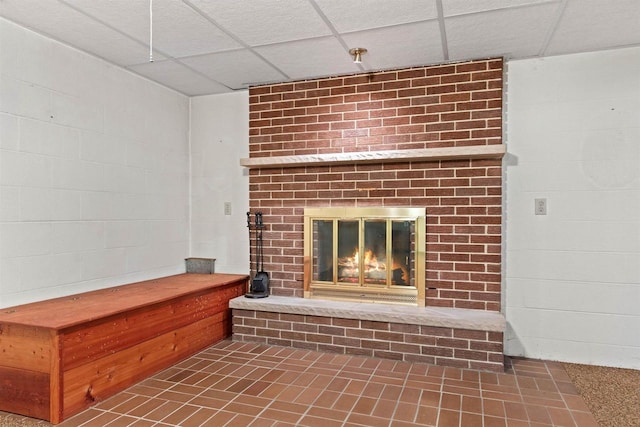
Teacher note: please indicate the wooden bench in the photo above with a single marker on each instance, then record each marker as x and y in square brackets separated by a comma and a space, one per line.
[59, 356]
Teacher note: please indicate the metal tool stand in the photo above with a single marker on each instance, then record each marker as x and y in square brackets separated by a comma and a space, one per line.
[259, 284]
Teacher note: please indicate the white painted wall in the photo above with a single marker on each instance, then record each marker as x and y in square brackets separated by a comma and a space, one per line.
[93, 172]
[573, 276]
[219, 139]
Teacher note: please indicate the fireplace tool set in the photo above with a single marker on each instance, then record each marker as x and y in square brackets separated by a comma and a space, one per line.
[259, 286]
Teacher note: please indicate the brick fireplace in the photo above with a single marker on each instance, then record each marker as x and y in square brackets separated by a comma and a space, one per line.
[427, 137]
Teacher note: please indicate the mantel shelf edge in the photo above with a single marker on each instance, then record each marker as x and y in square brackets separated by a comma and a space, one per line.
[473, 152]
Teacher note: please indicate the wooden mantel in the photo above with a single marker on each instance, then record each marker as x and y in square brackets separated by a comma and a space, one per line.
[495, 151]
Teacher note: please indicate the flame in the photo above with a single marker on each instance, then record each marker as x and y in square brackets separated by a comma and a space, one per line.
[371, 262]
[351, 266]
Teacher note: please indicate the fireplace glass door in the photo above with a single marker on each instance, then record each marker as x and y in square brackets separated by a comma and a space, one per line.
[366, 255]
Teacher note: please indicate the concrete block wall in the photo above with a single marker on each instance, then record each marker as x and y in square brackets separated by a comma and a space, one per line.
[93, 172]
[573, 275]
[219, 138]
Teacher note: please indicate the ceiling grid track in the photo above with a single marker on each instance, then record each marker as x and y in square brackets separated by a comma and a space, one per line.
[235, 38]
[552, 27]
[335, 33]
[143, 44]
[443, 31]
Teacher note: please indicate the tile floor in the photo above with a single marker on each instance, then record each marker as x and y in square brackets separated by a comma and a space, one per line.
[242, 384]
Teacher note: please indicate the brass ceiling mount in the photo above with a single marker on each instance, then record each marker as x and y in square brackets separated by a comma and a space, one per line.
[357, 53]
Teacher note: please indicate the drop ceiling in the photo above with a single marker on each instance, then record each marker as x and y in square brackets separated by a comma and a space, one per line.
[215, 46]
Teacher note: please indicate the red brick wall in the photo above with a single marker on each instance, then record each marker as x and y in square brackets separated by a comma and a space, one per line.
[438, 106]
[461, 348]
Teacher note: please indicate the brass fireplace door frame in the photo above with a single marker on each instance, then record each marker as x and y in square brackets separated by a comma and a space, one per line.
[406, 295]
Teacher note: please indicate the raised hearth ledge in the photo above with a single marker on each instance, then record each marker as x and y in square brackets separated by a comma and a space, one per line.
[458, 318]
[495, 151]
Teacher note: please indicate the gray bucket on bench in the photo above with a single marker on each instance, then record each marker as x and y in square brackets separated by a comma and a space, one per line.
[201, 265]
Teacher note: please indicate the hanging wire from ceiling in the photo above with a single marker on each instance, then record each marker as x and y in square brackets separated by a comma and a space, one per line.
[150, 30]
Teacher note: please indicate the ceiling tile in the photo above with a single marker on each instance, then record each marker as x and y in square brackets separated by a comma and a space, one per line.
[114, 48]
[236, 69]
[516, 32]
[178, 30]
[178, 77]
[73, 28]
[292, 39]
[461, 7]
[399, 46]
[347, 16]
[266, 21]
[310, 58]
[612, 23]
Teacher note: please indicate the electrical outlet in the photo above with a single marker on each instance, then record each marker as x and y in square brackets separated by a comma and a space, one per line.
[227, 208]
[540, 206]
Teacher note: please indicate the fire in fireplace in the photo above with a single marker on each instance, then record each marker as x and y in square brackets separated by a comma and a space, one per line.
[365, 254]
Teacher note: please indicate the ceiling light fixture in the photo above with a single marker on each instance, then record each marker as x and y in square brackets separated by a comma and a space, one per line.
[357, 52]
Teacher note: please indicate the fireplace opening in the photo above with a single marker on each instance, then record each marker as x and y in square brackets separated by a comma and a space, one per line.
[365, 254]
